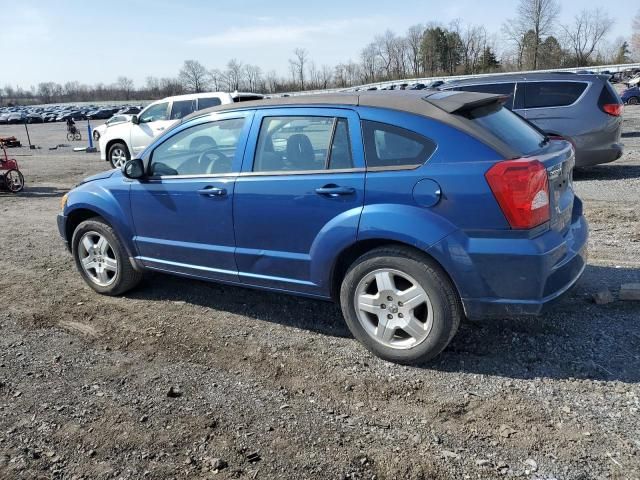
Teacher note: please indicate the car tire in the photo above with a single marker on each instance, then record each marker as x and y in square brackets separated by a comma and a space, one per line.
[101, 258]
[431, 316]
[634, 101]
[96, 136]
[118, 155]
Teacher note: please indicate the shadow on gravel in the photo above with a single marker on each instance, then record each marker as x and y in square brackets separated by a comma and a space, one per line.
[577, 339]
[298, 312]
[40, 192]
[630, 134]
[607, 172]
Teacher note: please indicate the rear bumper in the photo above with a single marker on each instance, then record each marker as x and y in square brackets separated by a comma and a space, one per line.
[506, 277]
[590, 157]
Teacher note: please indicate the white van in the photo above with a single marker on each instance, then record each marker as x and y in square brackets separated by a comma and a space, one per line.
[124, 141]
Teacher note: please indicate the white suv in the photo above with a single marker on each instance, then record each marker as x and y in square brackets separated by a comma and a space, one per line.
[121, 142]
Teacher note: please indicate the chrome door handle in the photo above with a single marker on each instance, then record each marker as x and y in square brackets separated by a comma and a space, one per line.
[335, 191]
[213, 192]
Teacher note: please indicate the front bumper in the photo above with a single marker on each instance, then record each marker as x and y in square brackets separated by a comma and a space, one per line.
[506, 277]
[62, 229]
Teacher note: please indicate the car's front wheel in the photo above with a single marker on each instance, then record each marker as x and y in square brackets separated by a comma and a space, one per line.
[634, 101]
[101, 259]
[400, 304]
[118, 155]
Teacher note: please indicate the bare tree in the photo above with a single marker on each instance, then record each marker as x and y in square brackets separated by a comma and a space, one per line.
[253, 74]
[413, 42]
[635, 37]
[215, 79]
[194, 76]
[298, 64]
[234, 74]
[125, 84]
[538, 16]
[583, 36]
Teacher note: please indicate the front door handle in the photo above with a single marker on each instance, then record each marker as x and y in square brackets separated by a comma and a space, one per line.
[335, 191]
[213, 192]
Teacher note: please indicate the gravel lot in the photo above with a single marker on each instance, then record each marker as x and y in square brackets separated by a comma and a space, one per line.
[186, 379]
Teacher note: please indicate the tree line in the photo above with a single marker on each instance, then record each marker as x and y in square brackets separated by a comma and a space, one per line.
[533, 39]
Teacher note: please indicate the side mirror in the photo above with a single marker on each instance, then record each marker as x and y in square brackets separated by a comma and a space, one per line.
[133, 169]
[135, 120]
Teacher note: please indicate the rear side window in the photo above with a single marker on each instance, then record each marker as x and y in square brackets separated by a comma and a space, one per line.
[508, 127]
[551, 94]
[506, 89]
[302, 144]
[208, 102]
[608, 96]
[181, 108]
[389, 146]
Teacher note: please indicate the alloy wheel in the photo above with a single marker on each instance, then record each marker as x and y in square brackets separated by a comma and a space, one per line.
[393, 308]
[97, 258]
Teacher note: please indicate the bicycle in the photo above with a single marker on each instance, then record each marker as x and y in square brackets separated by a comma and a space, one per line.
[73, 134]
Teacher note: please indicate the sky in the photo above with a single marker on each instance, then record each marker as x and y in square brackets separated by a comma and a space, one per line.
[96, 42]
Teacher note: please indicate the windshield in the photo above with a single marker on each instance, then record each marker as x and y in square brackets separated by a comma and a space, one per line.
[508, 127]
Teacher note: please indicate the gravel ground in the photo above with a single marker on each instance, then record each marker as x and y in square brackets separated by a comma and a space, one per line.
[186, 379]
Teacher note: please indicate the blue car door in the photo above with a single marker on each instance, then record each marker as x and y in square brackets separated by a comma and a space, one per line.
[182, 211]
[299, 197]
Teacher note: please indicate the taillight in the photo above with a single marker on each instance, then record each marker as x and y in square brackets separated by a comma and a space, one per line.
[521, 188]
[614, 109]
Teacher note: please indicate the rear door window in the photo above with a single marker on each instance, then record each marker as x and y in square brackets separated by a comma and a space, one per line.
[181, 108]
[551, 94]
[498, 88]
[389, 146]
[302, 144]
[208, 102]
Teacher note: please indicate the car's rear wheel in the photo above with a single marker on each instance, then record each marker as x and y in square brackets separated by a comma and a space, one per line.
[400, 304]
[118, 155]
[634, 101]
[101, 259]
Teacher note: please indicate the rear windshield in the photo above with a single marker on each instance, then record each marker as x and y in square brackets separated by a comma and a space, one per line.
[508, 127]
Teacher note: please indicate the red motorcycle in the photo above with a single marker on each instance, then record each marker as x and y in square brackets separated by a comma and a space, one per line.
[10, 172]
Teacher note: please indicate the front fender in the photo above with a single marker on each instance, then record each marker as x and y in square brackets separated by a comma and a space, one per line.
[111, 203]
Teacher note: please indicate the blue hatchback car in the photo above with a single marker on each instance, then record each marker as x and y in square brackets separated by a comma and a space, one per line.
[410, 209]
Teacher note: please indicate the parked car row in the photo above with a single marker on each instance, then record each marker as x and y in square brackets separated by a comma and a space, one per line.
[61, 113]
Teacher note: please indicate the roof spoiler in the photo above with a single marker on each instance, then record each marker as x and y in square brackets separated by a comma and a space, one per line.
[453, 101]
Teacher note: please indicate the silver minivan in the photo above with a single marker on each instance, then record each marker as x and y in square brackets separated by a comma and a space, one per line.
[582, 108]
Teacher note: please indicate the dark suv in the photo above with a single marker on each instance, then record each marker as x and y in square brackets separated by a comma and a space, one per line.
[582, 108]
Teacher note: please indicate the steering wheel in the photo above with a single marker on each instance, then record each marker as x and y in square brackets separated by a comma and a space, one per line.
[221, 157]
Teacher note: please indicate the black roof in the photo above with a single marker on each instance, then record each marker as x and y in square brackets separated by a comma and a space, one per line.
[441, 106]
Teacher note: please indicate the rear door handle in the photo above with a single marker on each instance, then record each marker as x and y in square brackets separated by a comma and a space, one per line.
[335, 191]
[213, 192]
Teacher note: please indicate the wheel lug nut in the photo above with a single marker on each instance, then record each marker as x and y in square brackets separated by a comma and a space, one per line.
[400, 304]
[400, 315]
[390, 298]
[383, 306]
[389, 316]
